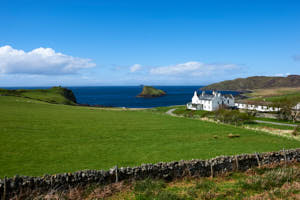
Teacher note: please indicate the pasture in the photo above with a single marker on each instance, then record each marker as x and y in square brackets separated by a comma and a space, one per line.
[275, 94]
[40, 138]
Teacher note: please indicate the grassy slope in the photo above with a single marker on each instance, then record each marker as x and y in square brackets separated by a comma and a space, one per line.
[56, 95]
[38, 138]
[275, 95]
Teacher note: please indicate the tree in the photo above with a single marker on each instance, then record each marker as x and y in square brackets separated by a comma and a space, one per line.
[287, 109]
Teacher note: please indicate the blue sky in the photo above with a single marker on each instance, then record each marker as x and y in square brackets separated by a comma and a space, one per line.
[60, 42]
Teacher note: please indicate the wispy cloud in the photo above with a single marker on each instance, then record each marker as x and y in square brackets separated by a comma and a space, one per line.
[135, 67]
[194, 69]
[40, 61]
[281, 74]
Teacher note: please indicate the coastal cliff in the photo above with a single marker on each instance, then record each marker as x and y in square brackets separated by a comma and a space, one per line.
[57, 95]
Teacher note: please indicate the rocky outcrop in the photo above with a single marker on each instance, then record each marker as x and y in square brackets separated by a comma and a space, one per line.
[67, 93]
[12, 187]
[150, 92]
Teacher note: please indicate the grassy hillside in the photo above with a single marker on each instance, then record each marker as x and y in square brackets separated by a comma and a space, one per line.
[256, 82]
[38, 138]
[275, 95]
[58, 95]
[149, 91]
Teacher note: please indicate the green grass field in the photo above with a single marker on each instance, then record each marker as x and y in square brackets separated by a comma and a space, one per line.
[56, 95]
[40, 138]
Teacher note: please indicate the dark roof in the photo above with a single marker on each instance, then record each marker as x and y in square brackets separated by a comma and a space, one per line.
[210, 97]
[206, 97]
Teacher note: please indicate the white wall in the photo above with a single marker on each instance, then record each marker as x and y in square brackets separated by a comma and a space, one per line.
[256, 107]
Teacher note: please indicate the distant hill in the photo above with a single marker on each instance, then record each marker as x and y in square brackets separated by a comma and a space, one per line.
[57, 95]
[149, 92]
[255, 82]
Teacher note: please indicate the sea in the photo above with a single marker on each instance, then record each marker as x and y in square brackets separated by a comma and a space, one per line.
[125, 96]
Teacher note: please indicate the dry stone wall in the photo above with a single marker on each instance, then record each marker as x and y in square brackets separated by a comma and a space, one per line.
[164, 170]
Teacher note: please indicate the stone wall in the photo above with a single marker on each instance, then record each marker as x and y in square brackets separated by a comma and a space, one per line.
[165, 170]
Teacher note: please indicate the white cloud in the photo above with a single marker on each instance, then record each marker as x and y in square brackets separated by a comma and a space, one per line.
[281, 74]
[135, 67]
[40, 61]
[194, 69]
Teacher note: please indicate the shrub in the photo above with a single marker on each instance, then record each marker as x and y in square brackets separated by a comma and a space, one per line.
[271, 179]
[148, 185]
[232, 116]
[296, 131]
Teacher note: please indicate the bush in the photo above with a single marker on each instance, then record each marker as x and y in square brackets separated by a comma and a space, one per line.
[271, 179]
[232, 116]
[296, 131]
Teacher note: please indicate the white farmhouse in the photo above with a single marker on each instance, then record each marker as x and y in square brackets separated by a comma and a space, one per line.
[210, 102]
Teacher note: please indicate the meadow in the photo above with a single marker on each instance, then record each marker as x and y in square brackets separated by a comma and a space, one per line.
[41, 138]
[57, 95]
[275, 94]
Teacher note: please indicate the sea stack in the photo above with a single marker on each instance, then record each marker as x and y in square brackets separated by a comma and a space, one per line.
[151, 92]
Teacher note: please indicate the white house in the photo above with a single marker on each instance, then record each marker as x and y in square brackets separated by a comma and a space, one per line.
[210, 102]
[260, 108]
[297, 107]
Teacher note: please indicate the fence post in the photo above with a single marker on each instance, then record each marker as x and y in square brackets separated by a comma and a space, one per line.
[116, 169]
[257, 158]
[211, 170]
[4, 189]
[237, 163]
[284, 154]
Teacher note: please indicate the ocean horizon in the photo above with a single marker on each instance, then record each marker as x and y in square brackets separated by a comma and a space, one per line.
[125, 96]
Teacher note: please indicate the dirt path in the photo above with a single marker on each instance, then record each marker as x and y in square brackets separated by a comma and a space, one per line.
[170, 112]
[275, 123]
